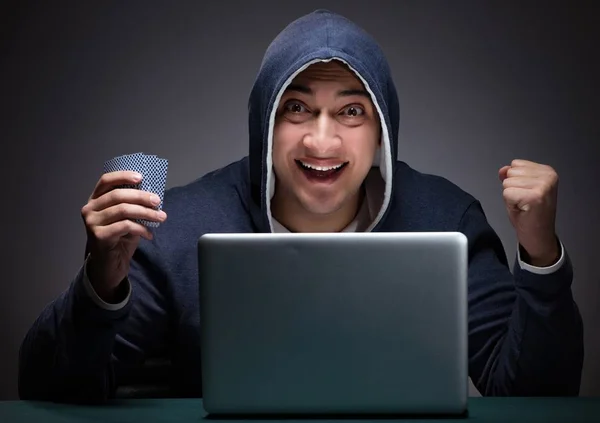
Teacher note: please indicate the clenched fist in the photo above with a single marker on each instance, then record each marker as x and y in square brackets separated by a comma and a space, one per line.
[530, 194]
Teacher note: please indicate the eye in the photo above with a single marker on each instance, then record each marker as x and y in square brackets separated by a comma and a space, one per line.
[294, 107]
[353, 111]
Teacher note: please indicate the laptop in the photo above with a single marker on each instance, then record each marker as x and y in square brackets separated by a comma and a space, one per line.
[342, 323]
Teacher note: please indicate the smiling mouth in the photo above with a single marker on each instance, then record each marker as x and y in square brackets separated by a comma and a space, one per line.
[321, 173]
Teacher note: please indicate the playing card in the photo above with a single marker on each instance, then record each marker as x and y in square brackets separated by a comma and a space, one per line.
[147, 182]
[153, 171]
[155, 178]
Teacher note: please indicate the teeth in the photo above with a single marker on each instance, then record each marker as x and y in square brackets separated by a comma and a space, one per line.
[321, 168]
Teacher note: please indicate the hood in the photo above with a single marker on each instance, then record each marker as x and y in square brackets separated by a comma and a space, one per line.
[319, 36]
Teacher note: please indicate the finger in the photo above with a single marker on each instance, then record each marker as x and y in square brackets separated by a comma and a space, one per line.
[122, 229]
[519, 198]
[131, 239]
[522, 163]
[533, 166]
[541, 171]
[502, 173]
[521, 182]
[125, 195]
[110, 180]
[125, 211]
[532, 172]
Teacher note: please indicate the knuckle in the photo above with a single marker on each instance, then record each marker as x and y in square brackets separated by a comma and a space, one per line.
[104, 179]
[116, 195]
[120, 227]
[548, 169]
[97, 233]
[87, 222]
[121, 210]
[87, 219]
[129, 225]
[540, 192]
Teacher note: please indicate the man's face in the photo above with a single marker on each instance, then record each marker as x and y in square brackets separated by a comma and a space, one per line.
[325, 137]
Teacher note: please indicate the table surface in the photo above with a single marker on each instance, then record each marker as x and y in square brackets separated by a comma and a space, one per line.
[511, 410]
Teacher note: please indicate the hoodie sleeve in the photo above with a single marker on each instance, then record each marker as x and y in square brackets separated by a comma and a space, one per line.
[525, 330]
[77, 348]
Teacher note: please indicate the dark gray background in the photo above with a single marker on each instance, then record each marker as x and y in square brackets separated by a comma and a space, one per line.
[480, 83]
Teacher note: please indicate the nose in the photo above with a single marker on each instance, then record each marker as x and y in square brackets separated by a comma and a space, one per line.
[322, 138]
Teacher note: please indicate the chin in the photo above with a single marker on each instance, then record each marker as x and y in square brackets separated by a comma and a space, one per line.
[315, 206]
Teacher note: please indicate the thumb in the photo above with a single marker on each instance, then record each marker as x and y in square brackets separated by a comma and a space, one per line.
[516, 198]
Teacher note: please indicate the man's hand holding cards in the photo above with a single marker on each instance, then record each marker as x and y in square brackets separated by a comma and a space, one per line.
[154, 176]
[127, 201]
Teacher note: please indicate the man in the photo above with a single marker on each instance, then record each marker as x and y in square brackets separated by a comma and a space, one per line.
[324, 118]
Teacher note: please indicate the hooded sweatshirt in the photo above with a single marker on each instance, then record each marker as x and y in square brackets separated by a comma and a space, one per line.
[525, 331]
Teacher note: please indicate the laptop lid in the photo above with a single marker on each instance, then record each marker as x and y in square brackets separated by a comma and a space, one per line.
[334, 323]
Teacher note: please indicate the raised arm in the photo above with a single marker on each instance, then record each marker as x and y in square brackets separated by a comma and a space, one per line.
[525, 330]
[113, 313]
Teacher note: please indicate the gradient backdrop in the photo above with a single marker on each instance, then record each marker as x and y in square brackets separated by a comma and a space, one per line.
[480, 83]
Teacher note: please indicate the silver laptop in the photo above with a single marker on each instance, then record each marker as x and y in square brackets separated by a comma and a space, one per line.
[344, 323]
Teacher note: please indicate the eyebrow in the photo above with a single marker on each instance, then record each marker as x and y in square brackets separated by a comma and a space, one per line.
[344, 93]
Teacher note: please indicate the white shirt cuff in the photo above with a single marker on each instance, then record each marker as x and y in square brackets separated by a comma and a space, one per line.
[542, 270]
[89, 289]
